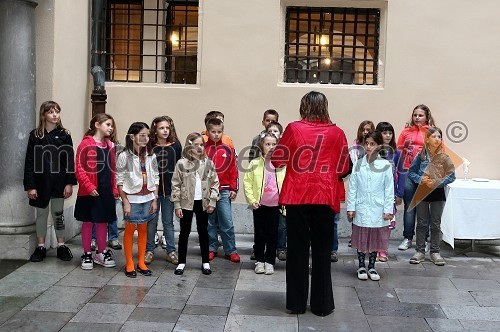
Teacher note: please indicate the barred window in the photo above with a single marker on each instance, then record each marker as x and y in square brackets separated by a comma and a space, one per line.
[153, 41]
[332, 45]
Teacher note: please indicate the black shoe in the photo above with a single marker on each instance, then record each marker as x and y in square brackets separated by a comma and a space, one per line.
[179, 272]
[64, 254]
[39, 254]
[131, 274]
[297, 312]
[206, 271]
[146, 272]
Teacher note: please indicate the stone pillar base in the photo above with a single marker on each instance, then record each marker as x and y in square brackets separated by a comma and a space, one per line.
[17, 246]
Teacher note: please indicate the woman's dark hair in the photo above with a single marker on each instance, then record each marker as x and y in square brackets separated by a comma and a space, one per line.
[134, 129]
[101, 118]
[386, 126]
[314, 107]
[360, 136]
[172, 135]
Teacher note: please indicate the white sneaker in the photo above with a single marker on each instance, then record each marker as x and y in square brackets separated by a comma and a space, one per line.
[427, 246]
[163, 242]
[259, 268]
[417, 258]
[269, 268]
[105, 259]
[87, 263]
[157, 239]
[405, 244]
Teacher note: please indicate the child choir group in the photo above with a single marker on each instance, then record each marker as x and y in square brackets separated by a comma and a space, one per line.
[154, 173]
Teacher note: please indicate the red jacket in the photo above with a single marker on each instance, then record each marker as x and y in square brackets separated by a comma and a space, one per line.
[315, 154]
[224, 159]
[86, 166]
[410, 143]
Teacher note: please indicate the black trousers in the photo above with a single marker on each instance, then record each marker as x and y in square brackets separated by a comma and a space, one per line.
[309, 226]
[265, 225]
[201, 226]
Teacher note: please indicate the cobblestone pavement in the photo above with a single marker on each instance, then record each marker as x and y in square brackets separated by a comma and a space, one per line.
[53, 295]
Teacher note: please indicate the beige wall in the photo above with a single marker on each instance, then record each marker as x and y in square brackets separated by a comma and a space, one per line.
[441, 53]
[62, 67]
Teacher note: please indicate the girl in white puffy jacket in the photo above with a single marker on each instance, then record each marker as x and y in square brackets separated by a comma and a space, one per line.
[370, 204]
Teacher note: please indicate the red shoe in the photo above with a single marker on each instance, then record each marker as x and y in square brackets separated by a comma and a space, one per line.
[235, 258]
[211, 255]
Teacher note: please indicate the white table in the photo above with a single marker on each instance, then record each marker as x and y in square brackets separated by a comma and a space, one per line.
[472, 211]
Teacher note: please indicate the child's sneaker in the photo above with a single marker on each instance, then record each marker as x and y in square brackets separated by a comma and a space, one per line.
[334, 257]
[64, 254]
[172, 258]
[437, 259]
[417, 258]
[93, 245]
[252, 255]
[39, 254]
[163, 242]
[211, 255]
[148, 257]
[281, 255]
[157, 239]
[87, 263]
[105, 259]
[259, 268]
[269, 268]
[405, 244]
[235, 258]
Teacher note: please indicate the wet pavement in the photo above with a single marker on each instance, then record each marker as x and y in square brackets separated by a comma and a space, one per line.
[54, 295]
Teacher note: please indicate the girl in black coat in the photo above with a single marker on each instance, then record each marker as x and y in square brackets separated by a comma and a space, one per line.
[49, 176]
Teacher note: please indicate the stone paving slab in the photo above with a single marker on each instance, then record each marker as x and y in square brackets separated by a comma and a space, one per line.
[36, 321]
[444, 325]
[397, 324]
[249, 323]
[200, 323]
[435, 296]
[62, 299]
[423, 310]
[91, 327]
[476, 285]
[472, 313]
[480, 326]
[258, 303]
[342, 319]
[486, 299]
[10, 305]
[104, 313]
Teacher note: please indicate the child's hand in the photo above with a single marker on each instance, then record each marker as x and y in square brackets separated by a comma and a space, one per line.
[398, 200]
[126, 209]
[32, 194]
[68, 191]
[178, 212]
[255, 205]
[351, 214]
[154, 207]
[387, 216]
[210, 209]
[94, 193]
[232, 194]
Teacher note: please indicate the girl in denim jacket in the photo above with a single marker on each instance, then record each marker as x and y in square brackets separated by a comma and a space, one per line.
[431, 170]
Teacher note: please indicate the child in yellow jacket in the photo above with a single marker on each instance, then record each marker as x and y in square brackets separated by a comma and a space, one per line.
[262, 184]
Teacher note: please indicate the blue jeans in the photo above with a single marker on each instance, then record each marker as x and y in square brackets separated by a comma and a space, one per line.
[282, 233]
[167, 219]
[409, 216]
[140, 213]
[335, 245]
[222, 220]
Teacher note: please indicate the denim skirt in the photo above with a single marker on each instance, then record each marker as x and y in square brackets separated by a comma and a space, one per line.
[139, 213]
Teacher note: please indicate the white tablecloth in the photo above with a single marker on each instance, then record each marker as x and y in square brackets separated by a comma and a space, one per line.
[472, 211]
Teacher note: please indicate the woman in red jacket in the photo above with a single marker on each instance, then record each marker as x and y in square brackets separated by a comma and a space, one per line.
[410, 143]
[315, 152]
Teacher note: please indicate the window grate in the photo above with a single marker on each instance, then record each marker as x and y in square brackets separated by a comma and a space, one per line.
[332, 45]
[153, 41]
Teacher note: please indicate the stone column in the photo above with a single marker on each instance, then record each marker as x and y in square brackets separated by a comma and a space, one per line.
[17, 114]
